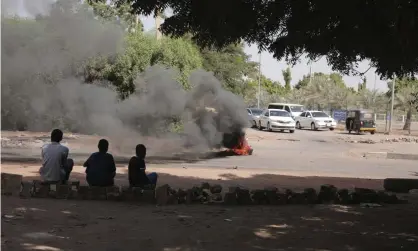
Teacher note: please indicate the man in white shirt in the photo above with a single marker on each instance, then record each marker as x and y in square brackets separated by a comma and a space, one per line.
[56, 166]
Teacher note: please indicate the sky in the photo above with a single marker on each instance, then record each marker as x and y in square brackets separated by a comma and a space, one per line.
[270, 67]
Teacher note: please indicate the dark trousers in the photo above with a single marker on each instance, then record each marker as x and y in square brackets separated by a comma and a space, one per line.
[68, 168]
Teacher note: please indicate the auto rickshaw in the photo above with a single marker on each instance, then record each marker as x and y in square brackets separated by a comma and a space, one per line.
[360, 121]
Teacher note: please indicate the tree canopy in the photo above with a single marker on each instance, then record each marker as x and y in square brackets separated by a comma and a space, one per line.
[346, 32]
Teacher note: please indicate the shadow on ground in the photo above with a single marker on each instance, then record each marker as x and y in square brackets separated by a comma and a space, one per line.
[47, 224]
[42, 224]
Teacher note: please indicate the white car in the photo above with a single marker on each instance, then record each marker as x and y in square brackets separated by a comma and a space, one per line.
[315, 120]
[275, 119]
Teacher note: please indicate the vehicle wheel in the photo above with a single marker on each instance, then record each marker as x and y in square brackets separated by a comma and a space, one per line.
[268, 127]
[313, 127]
[292, 131]
[259, 126]
[298, 126]
[372, 132]
[331, 129]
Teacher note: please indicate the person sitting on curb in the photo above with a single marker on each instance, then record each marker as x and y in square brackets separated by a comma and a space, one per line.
[136, 170]
[100, 166]
[56, 166]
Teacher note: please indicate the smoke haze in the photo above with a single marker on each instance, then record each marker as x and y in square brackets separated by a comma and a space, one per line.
[42, 88]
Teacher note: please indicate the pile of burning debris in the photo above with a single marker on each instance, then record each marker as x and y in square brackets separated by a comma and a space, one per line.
[236, 143]
[233, 136]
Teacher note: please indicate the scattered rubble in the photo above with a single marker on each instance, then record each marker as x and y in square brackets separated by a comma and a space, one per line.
[204, 194]
[382, 141]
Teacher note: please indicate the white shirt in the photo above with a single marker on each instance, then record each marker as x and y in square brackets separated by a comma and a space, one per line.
[54, 157]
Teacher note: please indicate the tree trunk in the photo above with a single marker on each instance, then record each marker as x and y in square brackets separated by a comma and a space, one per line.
[408, 119]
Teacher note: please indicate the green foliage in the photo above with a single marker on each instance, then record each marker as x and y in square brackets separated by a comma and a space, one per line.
[287, 77]
[230, 65]
[180, 54]
[346, 32]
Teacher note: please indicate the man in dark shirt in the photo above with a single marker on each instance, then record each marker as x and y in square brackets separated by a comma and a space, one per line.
[100, 166]
[136, 169]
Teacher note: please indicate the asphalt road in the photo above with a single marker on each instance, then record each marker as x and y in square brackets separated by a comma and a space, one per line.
[303, 153]
[319, 153]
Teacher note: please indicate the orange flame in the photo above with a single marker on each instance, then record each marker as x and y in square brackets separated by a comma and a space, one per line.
[242, 148]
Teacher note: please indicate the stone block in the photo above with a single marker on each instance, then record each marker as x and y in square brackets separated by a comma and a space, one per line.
[310, 195]
[113, 193]
[205, 185]
[135, 194]
[11, 184]
[26, 189]
[259, 197]
[355, 198]
[216, 197]
[161, 195]
[275, 197]
[97, 193]
[172, 199]
[230, 199]
[327, 194]
[244, 197]
[367, 195]
[343, 196]
[298, 198]
[194, 195]
[148, 196]
[59, 191]
[75, 184]
[387, 198]
[40, 189]
[83, 193]
[216, 189]
[182, 196]
[233, 189]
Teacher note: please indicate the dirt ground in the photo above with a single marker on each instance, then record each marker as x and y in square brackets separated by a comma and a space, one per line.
[296, 161]
[41, 224]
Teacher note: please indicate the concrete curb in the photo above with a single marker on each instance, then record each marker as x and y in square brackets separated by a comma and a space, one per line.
[386, 155]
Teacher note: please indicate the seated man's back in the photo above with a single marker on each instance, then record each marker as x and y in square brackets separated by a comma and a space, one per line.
[100, 167]
[54, 159]
[136, 172]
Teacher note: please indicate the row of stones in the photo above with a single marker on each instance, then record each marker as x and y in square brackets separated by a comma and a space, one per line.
[205, 193]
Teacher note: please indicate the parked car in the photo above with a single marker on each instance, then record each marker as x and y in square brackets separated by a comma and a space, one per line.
[294, 109]
[315, 120]
[254, 115]
[275, 119]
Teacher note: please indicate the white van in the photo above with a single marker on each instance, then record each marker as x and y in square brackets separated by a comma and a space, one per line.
[294, 109]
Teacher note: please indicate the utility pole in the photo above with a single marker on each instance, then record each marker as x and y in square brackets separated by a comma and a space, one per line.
[310, 73]
[391, 103]
[259, 80]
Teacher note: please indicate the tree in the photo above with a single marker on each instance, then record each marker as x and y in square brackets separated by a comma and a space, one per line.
[406, 97]
[120, 14]
[371, 99]
[287, 77]
[180, 54]
[230, 65]
[385, 32]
